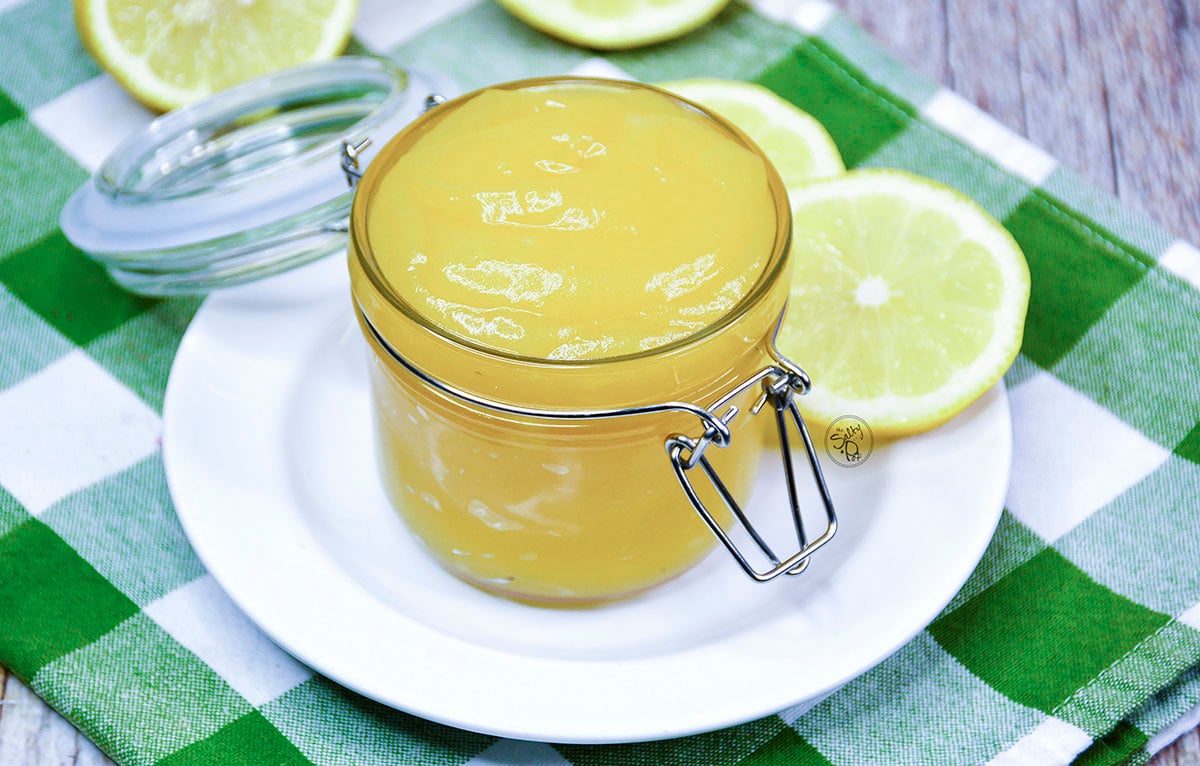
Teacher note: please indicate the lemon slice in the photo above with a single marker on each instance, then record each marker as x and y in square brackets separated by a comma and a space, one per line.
[907, 303]
[797, 145]
[614, 24]
[170, 52]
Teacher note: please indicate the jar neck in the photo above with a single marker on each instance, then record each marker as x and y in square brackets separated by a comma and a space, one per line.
[697, 370]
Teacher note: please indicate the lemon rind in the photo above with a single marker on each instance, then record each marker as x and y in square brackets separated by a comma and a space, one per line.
[148, 87]
[650, 24]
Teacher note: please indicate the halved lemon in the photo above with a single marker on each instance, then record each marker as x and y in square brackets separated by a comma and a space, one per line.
[168, 53]
[614, 24]
[908, 300]
[798, 146]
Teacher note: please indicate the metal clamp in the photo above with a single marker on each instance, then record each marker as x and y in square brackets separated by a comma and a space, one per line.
[780, 384]
[350, 164]
[351, 152]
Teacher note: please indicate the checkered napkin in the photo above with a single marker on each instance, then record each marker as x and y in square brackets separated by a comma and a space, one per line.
[1077, 637]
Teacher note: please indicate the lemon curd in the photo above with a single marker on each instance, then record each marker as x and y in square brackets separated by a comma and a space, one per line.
[573, 223]
[563, 245]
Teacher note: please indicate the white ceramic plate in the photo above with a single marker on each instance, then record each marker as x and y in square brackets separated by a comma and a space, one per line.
[270, 462]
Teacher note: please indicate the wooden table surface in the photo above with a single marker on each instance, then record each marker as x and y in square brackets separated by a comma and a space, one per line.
[1112, 89]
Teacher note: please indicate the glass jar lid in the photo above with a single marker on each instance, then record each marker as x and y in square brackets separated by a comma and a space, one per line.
[245, 183]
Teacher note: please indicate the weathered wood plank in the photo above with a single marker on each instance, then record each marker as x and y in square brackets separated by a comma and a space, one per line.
[984, 58]
[1150, 56]
[1064, 95]
[1185, 751]
[1109, 87]
[31, 734]
[915, 31]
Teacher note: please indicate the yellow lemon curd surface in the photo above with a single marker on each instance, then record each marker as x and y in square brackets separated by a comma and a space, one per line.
[572, 244]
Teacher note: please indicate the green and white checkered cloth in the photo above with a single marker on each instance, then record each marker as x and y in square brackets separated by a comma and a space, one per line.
[1077, 637]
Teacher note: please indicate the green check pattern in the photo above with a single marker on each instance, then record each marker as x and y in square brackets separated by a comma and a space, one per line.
[1077, 638]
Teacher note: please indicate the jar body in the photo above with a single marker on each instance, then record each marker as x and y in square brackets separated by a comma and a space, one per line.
[511, 495]
[565, 513]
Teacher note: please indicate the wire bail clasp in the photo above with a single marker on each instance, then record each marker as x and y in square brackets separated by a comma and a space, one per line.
[350, 164]
[352, 150]
[780, 383]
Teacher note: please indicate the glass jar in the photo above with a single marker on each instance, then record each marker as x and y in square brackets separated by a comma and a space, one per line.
[558, 481]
